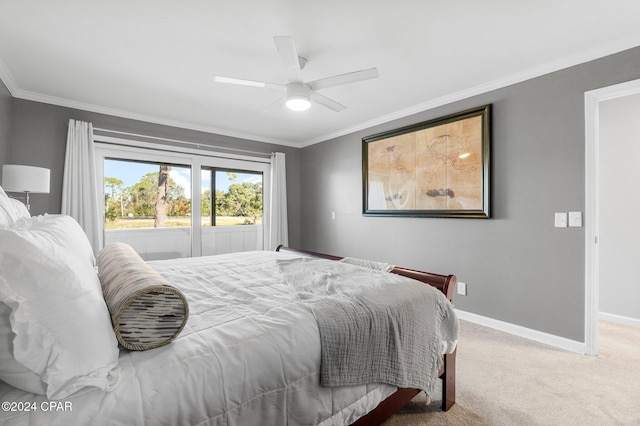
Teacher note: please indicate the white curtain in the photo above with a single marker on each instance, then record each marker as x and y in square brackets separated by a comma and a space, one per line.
[278, 231]
[79, 192]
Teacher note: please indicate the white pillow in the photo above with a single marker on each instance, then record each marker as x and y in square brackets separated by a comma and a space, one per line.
[19, 209]
[62, 327]
[11, 371]
[5, 218]
[6, 214]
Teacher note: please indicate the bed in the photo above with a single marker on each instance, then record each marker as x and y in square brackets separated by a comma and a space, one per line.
[447, 371]
[249, 351]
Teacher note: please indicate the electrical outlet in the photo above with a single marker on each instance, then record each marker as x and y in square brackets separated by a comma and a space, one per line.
[462, 288]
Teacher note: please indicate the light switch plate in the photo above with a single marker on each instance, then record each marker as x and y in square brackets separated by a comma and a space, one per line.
[561, 220]
[575, 219]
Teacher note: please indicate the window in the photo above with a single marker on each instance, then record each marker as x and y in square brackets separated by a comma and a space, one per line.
[236, 196]
[146, 195]
[149, 193]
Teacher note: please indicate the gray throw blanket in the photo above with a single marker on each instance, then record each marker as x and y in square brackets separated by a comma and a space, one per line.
[375, 327]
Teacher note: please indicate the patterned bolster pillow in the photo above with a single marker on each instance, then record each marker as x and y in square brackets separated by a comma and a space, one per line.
[146, 311]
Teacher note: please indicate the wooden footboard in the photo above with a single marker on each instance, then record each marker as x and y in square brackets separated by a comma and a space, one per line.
[391, 405]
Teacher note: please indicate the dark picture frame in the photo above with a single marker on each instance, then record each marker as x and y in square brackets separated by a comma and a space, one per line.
[436, 168]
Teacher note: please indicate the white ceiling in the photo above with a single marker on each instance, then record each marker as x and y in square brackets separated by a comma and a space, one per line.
[153, 59]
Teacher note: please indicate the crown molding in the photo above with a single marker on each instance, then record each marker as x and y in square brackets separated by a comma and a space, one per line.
[7, 78]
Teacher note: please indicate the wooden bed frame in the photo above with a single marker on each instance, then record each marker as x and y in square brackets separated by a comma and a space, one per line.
[391, 405]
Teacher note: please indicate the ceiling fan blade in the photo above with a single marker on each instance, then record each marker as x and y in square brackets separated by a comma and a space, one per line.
[275, 106]
[289, 55]
[243, 82]
[327, 102]
[338, 80]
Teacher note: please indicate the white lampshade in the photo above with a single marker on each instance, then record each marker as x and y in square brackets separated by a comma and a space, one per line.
[17, 178]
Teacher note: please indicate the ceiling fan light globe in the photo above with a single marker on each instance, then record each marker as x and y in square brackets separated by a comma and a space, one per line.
[298, 103]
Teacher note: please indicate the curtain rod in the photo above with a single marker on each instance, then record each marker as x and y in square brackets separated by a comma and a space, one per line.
[198, 145]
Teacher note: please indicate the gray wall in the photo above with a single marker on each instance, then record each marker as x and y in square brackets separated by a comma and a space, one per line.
[618, 247]
[518, 267]
[6, 124]
[39, 139]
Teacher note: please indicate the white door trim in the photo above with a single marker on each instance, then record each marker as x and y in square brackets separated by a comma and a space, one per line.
[592, 101]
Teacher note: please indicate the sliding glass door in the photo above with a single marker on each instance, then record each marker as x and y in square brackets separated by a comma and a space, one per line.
[149, 198]
[232, 210]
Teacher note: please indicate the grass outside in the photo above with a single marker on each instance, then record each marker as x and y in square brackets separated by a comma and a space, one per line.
[172, 222]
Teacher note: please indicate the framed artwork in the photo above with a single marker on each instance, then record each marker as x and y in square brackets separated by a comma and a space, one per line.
[437, 168]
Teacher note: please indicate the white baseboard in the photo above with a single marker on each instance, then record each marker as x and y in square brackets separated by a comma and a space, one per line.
[619, 319]
[527, 333]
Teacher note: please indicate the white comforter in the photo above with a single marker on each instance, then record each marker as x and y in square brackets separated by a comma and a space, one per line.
[249, 355]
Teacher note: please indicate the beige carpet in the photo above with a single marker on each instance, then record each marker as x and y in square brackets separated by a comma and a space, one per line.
[507, 380]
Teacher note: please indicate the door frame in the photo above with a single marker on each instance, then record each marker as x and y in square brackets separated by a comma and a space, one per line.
[592, 101]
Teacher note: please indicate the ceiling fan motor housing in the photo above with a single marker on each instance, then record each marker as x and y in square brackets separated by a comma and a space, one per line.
[298, 96]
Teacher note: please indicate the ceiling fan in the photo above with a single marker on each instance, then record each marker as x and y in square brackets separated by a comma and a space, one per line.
[300, 94]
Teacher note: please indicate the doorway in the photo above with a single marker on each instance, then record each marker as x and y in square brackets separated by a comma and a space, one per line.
[593, 100]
